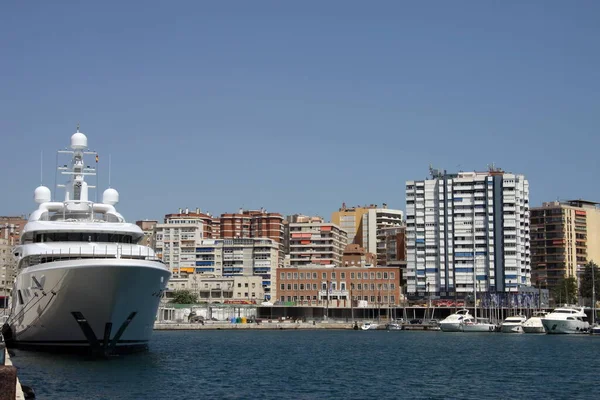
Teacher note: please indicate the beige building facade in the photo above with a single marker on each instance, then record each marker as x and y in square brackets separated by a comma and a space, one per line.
[564, 237]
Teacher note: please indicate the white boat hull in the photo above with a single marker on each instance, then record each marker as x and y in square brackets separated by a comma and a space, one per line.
[479, 327]
[565, 326]
[101, 293]
[451, 326]
[534, 329]
[511, 328]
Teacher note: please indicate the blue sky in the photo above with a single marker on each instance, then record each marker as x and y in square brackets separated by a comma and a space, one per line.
[298, 107]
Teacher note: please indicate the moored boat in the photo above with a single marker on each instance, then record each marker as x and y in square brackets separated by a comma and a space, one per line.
[566, 320]
[83, 282]
[513, 324]
[534, 323]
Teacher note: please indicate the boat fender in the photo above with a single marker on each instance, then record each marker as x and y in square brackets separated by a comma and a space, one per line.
[28, 392]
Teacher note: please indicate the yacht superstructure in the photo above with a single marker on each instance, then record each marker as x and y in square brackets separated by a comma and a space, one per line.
[83, 282]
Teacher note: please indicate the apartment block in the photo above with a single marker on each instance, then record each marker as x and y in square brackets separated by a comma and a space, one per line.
[254, 224]
[350, 219]
[235, 257]
[316, 242]
[564, 237]
[467, 231]
[375, 225]
[10, 233]
[176, 238]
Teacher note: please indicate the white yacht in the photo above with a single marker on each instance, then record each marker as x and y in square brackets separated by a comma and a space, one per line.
[513, 324]
[83, 282]
[453, 323]
[366, 326]
[566, 320]
[534, 324]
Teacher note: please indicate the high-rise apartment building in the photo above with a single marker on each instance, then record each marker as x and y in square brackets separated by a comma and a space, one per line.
[238, 257]
[254, 224]
[350, 219]
[467, 231]
[564, 237]
[176, 238]
[375, 224]
[316, 242]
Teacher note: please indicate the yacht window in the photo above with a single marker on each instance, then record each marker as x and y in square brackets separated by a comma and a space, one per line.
[20, 297]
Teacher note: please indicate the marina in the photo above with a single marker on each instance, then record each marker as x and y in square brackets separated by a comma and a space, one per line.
[324, 364]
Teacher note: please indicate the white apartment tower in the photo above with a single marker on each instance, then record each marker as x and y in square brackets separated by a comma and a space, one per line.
[375, 223]
[465, 228]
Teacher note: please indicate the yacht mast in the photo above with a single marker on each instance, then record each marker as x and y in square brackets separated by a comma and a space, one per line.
[474, 266]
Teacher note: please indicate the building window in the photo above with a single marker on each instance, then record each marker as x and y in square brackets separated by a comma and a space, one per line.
[351, 275]
[314, 275]
[289, 286]
[343, 275]
[282, 286]
[392, 275]
[289, 275]
[282, 275]
[385, 275]
[366, 275]
[372, 299]
[301, 275]
[295, 275]
[379, 275]
[359, 286]
[333, 275]
[324, 275]
[393, 299]
[302, 286]
[372, 275]
[282, 298]
[295, 286]
[314, 286]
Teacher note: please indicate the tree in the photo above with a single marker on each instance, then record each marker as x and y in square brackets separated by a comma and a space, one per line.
[184, 297]
[566, 291]
[585, 284]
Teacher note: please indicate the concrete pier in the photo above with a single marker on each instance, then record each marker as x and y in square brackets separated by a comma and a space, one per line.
[265, 325]
[10, 387]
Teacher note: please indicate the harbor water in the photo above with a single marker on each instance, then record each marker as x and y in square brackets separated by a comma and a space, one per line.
[326, 365]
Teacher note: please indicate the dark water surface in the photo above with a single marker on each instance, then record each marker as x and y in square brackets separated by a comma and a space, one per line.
[327, 365]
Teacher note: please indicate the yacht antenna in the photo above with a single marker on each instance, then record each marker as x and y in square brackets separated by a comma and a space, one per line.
[42, 168]
[109, 167]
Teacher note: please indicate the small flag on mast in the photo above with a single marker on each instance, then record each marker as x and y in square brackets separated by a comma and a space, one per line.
[96, 158]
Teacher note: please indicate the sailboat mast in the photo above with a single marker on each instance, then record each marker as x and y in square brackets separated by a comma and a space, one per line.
[474, 265]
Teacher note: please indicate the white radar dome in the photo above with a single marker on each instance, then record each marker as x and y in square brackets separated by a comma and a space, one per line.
[78, 141]
[41, 194]
[110, 196]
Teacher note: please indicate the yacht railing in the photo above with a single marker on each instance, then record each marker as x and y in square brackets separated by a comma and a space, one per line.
[112, 252]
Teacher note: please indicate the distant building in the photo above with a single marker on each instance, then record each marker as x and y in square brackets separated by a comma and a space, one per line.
[10, 233]
[254, 224]
[148, 227]
[467, 228]
[375, 224]
[314, 241]
[220, 289]
[394, 246]
[564, 237]
[176, 238]
[356, 256]
[328, 285]
[350, 219]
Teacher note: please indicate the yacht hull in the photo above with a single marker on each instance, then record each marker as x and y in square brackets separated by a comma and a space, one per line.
[478, 327]
[511, 328]
[451, 326]
[565, 326]
[534, 329]
[97, 305]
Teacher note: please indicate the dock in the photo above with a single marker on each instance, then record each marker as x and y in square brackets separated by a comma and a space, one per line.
[263, 325]
[8, 375]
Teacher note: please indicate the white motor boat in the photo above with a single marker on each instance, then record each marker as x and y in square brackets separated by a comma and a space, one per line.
[477, 325]
[534, 324]
[393, 326]
[566, 319]
[513, 324]
[453, 323]
[595, 330]
[368, 326]
[83, 282]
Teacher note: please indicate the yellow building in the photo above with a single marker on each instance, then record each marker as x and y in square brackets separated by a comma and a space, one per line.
[350, 220]
[564, 237]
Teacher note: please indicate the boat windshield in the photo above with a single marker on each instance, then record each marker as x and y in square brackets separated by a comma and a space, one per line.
[102, 237]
